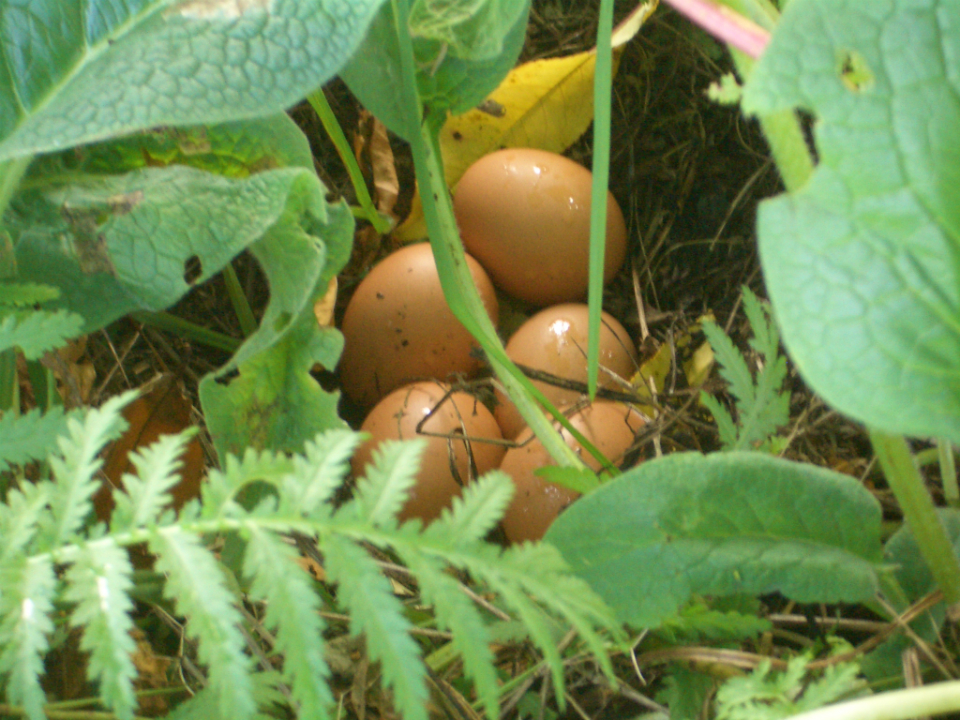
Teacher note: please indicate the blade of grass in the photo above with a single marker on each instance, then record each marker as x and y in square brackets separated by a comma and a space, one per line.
[185, 329]
[238, 298]
[318, 101]
[602, 88]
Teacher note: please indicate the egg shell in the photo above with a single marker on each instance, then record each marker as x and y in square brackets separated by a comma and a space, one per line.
[555, 341]
[396, 417]
[525, 215]
[610, 426]
[398, 327]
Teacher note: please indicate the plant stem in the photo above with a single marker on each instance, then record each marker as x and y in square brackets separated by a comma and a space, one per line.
[238, 298]
[187, 329]
[894, 705]
[455, 279]
[318, 101]
[602, 89]
[948, 472]
[921, 515]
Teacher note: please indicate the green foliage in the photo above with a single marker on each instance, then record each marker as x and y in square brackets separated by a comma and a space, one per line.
[861, 262]
[31, 329]
[767, 695]
[723, 524]
[50, 553]
[29, 437]
[762, 406]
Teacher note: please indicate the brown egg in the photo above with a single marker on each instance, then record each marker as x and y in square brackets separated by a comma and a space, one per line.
[398, 327]
[555, 341]
[611, 427]
[396, 418]
[525, 215]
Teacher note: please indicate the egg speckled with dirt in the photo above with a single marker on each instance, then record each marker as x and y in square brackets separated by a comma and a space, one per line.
[398, 327]
[525, 216]
[454, 426]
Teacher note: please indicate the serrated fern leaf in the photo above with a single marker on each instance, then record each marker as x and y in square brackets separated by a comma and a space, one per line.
[476, 512]
[203, 705]
[19, 519]
[293, 614]
[383, 491]
[21, 294]
[31, 436]
[726, 427]
[377, 614]
[99, 584]
[25, 607]
[197, 586]
[471, 638]
[74, 468]
[220, 490]
[733, 368]
[145, 494]
[320, 471]
[37, 331]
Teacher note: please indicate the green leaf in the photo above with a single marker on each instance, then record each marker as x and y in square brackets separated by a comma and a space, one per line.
[862, 263]
[197, 586]
[730, 523]
[25, 608]
[20, 517]
[473, 29]
[145, 494]
[320, 470]
[75, 466]
[99, 584]
[476, 512]
[265, 396]
[293, 615]
[388, 480]
[75, 71]
[22, 294]
[31, 436]
[35, 332]
[445, 81]
[377, 614]
[685, 693]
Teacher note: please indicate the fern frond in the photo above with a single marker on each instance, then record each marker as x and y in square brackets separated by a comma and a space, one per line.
[293, 615]
[197, 586]
[203, 705]
[726, 427]
[387, 482]
[471, 638]
[145, 494]
[377, 614]
[733, 368]
[476, 512]
[220, 490]
[74, 469]
[31, 436]
[766, 337]
[321, 470]
[26, 603]
[21, 294]
[99, 582]
[19, 519]
[37, 331]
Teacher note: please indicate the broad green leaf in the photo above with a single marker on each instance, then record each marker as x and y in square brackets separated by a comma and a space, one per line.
[115, 244]
[863, 263]
[472, 29]
[446, 82]
[265, 396]
[731, 523]
[75, 71]
[903, 553]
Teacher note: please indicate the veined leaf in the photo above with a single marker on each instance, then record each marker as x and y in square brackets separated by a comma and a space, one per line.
[318, 474]
[723, 524]
[75, 71]
[862, 263]
[197, 586]
[473, 29]
[99, 583]
[25, 607]
[293, 615]
[377, 614]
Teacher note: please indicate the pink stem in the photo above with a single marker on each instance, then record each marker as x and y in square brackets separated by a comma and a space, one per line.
[724, 24]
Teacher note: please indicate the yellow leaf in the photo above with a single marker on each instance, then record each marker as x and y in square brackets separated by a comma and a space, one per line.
[544, 104]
